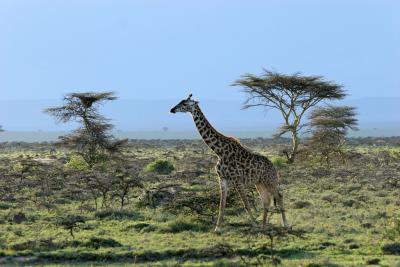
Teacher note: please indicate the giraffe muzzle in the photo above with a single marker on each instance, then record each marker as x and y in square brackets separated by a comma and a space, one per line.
[173, 110]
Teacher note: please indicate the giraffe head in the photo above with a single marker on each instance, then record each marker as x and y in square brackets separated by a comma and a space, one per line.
[186, 105]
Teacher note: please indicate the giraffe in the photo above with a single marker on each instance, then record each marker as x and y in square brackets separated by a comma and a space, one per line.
[237, 166]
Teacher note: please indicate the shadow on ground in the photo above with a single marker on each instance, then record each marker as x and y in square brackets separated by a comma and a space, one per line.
[219, 251]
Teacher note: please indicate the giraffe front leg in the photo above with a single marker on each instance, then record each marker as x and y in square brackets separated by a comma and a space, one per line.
[222, 202]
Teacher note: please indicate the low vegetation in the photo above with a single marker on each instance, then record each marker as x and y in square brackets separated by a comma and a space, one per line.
[158, 206]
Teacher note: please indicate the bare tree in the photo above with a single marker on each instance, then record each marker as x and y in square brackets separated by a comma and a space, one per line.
[329, 126]
[292, 95]
[92, 140]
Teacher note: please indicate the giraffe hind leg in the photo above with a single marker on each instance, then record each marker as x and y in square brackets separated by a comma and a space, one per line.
[278, 199]
[246, 204]
[265, 199]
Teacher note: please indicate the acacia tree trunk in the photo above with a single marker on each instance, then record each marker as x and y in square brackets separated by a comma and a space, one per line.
[122, 202]
[295, 145]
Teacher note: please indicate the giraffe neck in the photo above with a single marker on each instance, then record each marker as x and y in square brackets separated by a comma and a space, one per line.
[210, 135]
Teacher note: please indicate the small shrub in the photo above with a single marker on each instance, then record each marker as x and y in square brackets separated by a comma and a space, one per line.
[71, 244]
[367, 225]
[326, 244]
[26, 245]
[380, 215]
[181, 225]
[2, 243]
[158, 196]
[301, 204]
[354, 246]
[201, 205]
[5, 206]
[315, 265]
[118, 215]
[71, 222]
[139, 226]
[351, 203]
[393, 229]
[160, 167]
[35, 245]
[375, 261]
[271, 233]
[142, 227]
[391, 249]
[324, 263]
[98, 242]
[148, 229]
[329, 198]
[20, 217]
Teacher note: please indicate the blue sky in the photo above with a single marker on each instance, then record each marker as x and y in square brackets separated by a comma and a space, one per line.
[163, 49]
[153, 53]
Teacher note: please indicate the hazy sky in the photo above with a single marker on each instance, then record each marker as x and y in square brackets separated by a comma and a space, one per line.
[162, 49]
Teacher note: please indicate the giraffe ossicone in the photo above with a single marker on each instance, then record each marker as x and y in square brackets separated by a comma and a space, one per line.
[237, 166]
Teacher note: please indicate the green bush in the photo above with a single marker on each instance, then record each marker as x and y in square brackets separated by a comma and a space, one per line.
[160, 166]
[279, 162]
[77, 163]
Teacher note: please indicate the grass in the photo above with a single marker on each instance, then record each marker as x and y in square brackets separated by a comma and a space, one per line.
[349, 214]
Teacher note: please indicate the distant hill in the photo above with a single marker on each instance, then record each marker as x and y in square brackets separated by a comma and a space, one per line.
[377, 116]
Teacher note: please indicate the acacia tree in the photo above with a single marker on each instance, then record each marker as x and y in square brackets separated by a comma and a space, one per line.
[292, 95]
[329, 126]
[126, 178]
[92, 139]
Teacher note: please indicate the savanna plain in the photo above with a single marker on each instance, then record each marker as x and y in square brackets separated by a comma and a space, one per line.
[158, 207]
